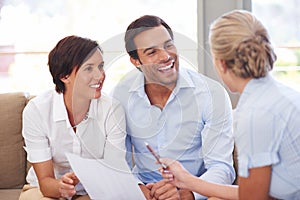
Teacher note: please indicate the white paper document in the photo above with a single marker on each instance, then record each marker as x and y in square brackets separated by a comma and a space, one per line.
[104, 183]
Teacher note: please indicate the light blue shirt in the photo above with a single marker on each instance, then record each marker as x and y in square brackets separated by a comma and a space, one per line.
[267, 132]
[194, 127]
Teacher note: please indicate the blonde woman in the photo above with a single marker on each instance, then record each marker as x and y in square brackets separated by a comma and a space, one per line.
[267, 122]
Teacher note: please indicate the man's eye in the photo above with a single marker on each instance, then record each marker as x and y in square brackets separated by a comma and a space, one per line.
[151, 53]
[169, 46]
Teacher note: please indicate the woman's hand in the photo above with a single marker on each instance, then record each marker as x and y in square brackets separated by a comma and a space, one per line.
[67, 184]
[175, 173]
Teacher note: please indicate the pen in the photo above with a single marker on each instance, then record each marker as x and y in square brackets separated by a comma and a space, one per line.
[157, 157]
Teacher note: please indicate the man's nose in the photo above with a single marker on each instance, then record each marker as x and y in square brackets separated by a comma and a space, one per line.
[164, 55]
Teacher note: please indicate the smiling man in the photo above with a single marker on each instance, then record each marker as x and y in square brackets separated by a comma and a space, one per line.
[180, 113]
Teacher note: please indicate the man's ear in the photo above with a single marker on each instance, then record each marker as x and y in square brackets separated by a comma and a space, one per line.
[135, 62]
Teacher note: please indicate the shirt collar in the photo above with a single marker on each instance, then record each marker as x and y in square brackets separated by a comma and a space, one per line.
[60, 111]
[93, 108]
[254, 85]
[59, 108]
[138, 83]
[184, 81]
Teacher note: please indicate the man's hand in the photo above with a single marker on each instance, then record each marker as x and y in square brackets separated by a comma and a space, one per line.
[163, 190]
[186, 195]
[146, 192]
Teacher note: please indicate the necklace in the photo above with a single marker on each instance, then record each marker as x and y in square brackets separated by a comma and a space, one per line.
[85, 118]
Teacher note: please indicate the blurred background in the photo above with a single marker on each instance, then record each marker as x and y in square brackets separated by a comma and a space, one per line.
[29, 29]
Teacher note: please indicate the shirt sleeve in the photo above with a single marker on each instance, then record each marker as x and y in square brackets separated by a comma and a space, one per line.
[35, 137]
[115, 151]
[217, 140]
[258, 139]
[129, 151]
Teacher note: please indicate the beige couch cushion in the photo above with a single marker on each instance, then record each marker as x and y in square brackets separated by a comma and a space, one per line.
[12, 154]
[10, 194]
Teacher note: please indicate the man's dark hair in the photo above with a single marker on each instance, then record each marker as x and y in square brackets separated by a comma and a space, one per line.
[68, 54]
[142, 24]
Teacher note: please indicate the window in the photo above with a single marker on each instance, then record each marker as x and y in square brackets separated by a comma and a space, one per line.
[281, 18]
[30, 29]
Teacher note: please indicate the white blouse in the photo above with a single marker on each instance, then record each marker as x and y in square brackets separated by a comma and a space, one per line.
[49, 135]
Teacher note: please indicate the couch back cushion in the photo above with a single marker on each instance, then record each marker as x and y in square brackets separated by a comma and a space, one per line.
[12, 154]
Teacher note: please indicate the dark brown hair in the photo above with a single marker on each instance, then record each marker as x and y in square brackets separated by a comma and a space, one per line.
[69, 54]
[142, 24]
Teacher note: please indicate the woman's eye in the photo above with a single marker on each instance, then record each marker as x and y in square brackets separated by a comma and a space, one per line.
[101, 66]
[89, 68]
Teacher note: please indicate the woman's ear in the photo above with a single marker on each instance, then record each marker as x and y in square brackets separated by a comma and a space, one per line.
[222, 65]
[65, 79]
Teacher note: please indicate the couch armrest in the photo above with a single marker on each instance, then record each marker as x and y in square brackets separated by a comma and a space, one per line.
[12, 154]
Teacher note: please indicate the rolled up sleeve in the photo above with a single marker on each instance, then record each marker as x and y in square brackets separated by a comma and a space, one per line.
[36, 141]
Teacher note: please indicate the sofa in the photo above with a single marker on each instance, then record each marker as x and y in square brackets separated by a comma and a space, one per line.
[13, 163]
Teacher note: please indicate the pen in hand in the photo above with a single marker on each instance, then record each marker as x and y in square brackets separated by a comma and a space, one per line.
[157, 157]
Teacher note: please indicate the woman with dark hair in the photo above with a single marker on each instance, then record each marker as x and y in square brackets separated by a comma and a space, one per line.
[74, 118]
